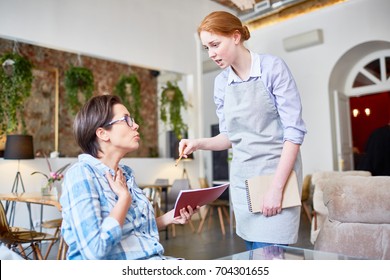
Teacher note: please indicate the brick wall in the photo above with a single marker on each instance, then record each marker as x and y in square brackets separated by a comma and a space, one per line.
[39, 108]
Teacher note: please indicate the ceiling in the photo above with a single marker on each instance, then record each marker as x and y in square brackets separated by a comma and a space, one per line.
[239, 5]
[257, 13]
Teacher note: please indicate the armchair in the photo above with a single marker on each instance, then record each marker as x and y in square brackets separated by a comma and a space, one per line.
[320, 212]
[358, 222]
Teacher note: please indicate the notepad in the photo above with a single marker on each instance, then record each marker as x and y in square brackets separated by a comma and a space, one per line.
[197, 197]
[257, 187]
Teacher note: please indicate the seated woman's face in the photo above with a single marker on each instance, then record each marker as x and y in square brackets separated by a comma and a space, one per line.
[124, 131]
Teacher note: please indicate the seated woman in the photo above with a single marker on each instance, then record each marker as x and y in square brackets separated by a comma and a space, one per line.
[105, 214]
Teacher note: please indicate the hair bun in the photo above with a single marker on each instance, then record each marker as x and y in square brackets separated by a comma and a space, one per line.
[246, 34]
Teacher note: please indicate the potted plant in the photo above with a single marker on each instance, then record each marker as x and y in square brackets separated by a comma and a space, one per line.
[51, 178]
[172, 102]
[15, 86]
[79, 86]
[129, 90]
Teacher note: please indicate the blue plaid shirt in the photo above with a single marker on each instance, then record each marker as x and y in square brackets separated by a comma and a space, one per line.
[87, 201]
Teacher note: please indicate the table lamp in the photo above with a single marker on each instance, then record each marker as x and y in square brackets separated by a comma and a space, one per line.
[18, 147]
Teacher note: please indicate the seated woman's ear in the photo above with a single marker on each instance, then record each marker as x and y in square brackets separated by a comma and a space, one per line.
[102, 134]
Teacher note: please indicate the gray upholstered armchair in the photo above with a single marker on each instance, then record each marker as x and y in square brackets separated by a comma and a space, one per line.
[358, 222]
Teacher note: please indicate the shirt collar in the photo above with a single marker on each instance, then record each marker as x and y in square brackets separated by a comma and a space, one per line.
[254, 72]
[99, 166]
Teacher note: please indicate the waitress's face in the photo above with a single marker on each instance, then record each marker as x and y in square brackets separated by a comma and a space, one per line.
[221, 49]
[122, 136]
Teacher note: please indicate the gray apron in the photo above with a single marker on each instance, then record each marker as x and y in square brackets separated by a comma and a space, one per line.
[256, 133]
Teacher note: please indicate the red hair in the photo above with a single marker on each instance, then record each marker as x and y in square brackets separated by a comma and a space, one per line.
[224, 23]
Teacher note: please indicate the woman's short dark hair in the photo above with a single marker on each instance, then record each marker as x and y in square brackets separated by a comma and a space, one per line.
[97, 112]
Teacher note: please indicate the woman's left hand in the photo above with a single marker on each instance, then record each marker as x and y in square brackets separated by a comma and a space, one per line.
[184, 218]
[185, 215]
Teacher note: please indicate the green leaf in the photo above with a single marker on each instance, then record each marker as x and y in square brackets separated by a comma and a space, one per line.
[79, 87]
[172, 102]
[15, 88]
[128, 88]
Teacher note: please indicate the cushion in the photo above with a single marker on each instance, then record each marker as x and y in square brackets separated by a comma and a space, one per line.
[355, 199]
[317, 176]
[366, 241]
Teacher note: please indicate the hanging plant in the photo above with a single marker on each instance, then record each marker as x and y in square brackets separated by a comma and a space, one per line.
[15, 87]
[172, 101]
[129, 90]
[79, 86]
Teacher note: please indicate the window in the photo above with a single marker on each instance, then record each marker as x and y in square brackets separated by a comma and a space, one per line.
[371, 74]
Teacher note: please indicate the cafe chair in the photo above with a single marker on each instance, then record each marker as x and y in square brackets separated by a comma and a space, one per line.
[56, 225]
[177, 186]
[154, 194]
[157, 196]
[15, 237]
[221, 205]
[62, 249]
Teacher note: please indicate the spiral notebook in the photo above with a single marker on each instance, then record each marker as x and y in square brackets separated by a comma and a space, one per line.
[256, 188]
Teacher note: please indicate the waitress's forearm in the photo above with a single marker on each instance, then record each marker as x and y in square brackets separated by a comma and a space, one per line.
[216, 143]
[287, 160]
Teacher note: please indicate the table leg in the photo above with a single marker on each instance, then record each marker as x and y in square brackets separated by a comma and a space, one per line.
[166, 210]
[29, 213]
[40, 225]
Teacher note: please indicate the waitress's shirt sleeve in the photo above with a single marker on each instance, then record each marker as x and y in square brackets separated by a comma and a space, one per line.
[281, 84]
[220, 85]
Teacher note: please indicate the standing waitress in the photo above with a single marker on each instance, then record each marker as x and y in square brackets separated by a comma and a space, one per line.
[259, 111]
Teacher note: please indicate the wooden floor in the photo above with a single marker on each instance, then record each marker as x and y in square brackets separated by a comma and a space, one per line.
[211, 243]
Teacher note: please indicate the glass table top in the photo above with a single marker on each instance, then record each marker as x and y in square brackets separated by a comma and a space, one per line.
[276, 252]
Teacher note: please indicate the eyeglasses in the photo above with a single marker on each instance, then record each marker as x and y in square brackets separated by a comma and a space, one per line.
[128, 119]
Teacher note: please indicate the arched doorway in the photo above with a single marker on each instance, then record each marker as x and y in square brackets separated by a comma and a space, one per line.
[363, 70]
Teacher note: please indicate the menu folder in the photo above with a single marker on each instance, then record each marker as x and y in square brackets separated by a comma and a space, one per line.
[197, 197]
[257, 187]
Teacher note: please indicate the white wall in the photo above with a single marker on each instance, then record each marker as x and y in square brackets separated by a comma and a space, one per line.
[148, 33]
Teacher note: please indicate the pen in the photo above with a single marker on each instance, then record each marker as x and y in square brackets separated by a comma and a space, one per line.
[177, 161]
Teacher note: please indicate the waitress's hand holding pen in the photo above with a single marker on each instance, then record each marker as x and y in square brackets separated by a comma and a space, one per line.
[186, 147]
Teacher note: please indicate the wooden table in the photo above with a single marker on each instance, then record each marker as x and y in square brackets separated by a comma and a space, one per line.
[35, 198]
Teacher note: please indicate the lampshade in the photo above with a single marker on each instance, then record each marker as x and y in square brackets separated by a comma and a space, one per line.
[19, 147]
